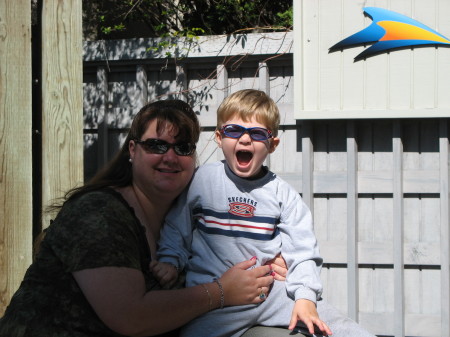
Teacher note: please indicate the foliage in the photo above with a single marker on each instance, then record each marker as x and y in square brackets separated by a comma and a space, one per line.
[112, 19]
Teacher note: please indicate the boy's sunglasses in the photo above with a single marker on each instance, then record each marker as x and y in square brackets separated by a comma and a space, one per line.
[236, 131]
[159, 146]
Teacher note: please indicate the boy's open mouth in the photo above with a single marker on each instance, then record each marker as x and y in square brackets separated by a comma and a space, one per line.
[244, 157]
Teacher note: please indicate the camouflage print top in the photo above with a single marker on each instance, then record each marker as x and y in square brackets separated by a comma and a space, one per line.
[97, 229]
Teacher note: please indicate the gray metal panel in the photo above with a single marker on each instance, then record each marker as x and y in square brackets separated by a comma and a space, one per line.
[399, 300]
[352, 224]
[444, 224]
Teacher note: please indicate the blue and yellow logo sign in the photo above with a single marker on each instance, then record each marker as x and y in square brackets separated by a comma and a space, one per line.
[390, 30]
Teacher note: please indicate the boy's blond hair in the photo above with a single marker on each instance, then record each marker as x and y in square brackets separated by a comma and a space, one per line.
[249, 103]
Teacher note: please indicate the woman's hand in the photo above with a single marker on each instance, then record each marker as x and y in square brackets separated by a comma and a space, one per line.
[279, 267]
[242, 285]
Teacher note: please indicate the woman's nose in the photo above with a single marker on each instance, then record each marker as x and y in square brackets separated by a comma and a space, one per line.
[170, 155]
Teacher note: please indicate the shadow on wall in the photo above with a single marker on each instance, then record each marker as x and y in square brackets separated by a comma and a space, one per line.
[374, 135]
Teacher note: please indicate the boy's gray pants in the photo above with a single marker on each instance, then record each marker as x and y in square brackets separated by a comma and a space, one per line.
[276, 311]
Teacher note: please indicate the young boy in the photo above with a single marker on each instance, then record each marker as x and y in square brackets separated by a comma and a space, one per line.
[237, 208]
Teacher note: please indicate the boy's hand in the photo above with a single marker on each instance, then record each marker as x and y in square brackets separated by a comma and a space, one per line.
[279, 267]
[305, 311]
[165, 273]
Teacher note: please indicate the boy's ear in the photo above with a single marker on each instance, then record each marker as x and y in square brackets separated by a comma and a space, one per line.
[218, 138]
[273, 144]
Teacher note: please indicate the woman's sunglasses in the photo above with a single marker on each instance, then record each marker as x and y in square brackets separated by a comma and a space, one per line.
[236, 131]
[159, 146]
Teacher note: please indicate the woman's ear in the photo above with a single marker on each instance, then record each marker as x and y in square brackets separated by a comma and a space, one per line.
[218, 137]
[273, 144]
[131, 148]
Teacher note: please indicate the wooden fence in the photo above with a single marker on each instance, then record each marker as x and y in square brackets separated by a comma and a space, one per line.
[41, 125]
[15, 146]
[378, 189]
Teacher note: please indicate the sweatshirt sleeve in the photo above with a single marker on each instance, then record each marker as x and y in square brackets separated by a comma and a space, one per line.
[300, 249]
[176, 234]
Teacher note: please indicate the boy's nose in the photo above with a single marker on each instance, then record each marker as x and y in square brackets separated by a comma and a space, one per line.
[245, 137]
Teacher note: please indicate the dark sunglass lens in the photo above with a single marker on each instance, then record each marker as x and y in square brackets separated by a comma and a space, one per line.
[159, 146]
[162, 148]
[156, 146]
[259, 134]
[184, 149]
[234, 131]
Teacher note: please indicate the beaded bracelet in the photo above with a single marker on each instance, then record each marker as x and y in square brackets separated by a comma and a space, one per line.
[222, 296]
[209, 296]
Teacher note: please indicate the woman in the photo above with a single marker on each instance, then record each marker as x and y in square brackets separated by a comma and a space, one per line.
[91, 275]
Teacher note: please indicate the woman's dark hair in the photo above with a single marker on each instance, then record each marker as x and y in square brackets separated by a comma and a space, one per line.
[118, 172]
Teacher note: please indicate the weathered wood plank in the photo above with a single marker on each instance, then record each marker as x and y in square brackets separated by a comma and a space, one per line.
[15, 145]
[62, 99]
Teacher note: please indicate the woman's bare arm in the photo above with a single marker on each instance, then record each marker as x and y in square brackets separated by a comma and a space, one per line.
[119, 298]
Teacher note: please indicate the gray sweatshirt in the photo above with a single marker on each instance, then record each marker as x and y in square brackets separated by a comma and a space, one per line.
[223, 219]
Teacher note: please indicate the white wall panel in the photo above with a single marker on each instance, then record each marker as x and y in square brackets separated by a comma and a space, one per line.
[399, 83]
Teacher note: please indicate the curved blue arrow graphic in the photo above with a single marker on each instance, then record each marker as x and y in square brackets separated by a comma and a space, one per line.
[390, 30]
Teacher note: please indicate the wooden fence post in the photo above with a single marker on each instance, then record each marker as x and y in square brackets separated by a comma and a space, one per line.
[62, 99]
[15, 146]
